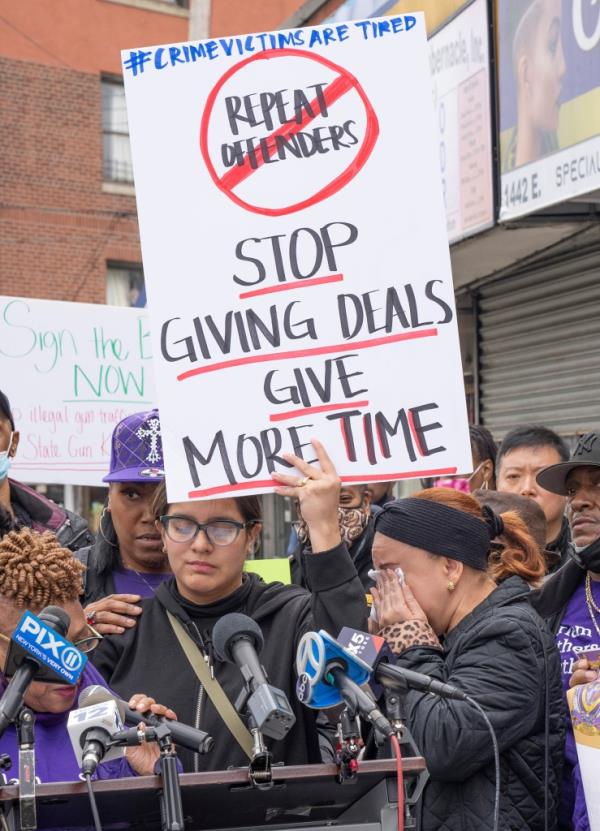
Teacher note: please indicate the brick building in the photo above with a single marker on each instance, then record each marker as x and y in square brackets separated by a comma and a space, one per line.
[68, 226]
[68, 223]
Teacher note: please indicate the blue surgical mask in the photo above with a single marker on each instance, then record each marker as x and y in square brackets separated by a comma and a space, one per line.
[5, 460]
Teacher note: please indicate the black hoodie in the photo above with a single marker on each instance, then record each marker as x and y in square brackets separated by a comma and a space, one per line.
[149, 658]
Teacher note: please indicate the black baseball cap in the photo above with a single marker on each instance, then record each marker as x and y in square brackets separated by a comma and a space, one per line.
[5, 411]
[586, 454]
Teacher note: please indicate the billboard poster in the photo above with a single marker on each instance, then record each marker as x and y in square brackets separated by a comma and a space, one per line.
[549, 91]
[296, 256]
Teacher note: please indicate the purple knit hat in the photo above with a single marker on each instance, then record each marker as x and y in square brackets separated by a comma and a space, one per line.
[136, 452]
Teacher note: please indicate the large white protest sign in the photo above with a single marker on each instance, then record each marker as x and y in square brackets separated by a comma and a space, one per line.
[296, 256]
[71, 371]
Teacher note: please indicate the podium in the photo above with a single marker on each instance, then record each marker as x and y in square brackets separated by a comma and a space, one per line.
[307, 796]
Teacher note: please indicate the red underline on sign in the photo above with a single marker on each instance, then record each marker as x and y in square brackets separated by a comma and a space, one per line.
[301, 284]
[325, 408]
[367, 477]
[306, 353]
[237, 174]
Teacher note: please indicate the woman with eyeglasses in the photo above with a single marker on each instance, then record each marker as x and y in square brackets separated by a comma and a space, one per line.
[36, 572]
[207, 543]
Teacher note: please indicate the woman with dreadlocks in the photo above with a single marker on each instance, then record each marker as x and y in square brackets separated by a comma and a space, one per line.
[36, 572]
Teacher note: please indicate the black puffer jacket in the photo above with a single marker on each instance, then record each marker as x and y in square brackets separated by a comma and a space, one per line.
[502, 655]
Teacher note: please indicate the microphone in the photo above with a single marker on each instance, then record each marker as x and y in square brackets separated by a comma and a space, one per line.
[328, 675]
[356, 698]
[91, 729]
[195, 740]
[238, 639]
[373, 651]
[38, 651]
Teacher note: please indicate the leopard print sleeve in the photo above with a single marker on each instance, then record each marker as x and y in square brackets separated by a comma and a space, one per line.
[402, 636]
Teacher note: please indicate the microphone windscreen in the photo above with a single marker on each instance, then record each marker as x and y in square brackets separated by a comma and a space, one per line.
[56, 618]
[230, 628]
[97, 694]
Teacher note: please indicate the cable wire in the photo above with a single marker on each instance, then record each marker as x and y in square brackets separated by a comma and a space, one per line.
[488, 723]
[400, 781]
[94, 807]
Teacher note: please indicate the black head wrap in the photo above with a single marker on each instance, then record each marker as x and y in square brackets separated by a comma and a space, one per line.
[493, 521]
[437, 528]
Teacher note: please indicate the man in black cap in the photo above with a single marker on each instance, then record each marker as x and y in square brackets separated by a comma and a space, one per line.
[570, 598]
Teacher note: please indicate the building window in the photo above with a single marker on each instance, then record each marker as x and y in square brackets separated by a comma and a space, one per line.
[117, 165]
[125, 286]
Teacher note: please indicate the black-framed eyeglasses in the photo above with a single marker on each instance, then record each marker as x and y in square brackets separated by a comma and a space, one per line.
[85, 645]
[218, 531]
[90, 643]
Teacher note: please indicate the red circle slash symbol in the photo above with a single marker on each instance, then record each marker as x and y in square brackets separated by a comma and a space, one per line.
[343, 83]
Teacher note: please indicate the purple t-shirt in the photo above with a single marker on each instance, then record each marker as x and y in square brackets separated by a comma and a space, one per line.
[54, 756]
[128, 581]
[576, 635]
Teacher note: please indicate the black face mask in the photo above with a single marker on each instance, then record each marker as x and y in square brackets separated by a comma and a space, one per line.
[588, 558]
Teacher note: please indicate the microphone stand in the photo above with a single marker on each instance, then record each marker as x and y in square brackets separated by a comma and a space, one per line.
[24, 724]
[260, 767]
[171, 807]
[395, 708]
[349, 744]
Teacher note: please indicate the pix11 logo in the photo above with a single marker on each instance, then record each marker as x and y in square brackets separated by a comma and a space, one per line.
[49, 649]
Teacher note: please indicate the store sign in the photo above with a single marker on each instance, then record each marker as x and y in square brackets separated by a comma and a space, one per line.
[71, 371]
[459, 63]
[549, 102]
[460, 75]
[295, 256]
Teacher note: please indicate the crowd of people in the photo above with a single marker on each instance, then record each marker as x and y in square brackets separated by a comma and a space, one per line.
[488, 581]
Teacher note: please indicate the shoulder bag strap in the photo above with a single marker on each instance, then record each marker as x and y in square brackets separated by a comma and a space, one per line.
[213, 689]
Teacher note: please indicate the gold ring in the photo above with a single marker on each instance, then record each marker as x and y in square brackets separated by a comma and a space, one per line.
[303, 482]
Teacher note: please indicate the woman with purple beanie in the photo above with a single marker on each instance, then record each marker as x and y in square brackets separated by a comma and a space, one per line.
[127, 562]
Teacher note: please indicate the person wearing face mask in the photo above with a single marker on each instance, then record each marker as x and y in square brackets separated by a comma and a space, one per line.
[36, 572]
[523, 453]
[570, 598]
[462, 616]
[355, 516]
[483, 452]
[170, 652]
[127, 561]
[26, 506]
